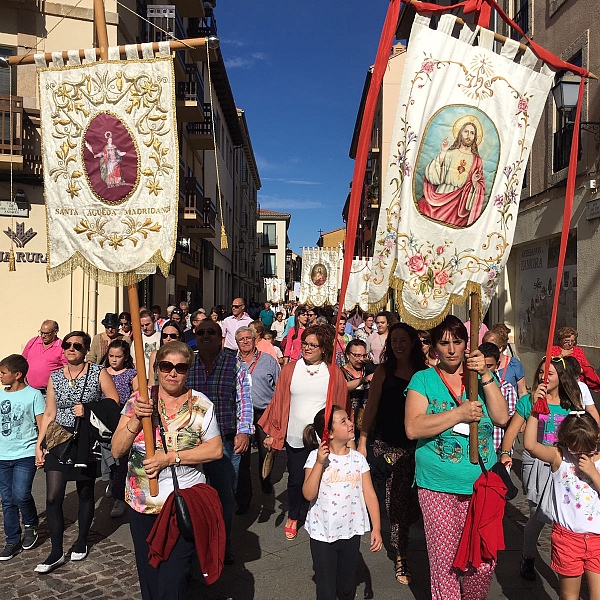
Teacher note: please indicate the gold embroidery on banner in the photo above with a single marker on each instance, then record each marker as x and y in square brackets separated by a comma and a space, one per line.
[97, 229]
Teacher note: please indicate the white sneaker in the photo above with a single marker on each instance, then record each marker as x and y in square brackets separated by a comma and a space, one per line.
[44, 568]
[76, 556]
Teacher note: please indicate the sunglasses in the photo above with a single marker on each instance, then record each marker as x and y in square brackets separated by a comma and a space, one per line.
[425, 342]
[237, 305]
[172, 336]
[165, 366]
[557, 359]
[75, 345]
[125, 322]
[311, 314]
[203, 332]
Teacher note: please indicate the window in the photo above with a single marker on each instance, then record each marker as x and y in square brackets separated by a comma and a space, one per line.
[269, 266]
[520, 17]
[563, 136]
[5, 74]
[269, 234]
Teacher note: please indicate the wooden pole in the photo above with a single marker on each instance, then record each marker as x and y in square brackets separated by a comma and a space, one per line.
[134, 303]
[28, 59]
[475, 322]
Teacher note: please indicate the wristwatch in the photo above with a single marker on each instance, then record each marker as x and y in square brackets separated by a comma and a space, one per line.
[177, 458]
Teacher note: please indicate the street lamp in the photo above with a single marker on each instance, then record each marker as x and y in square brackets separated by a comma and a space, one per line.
[566, 94]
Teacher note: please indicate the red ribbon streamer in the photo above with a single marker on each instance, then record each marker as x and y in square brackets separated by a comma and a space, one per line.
[541, 406]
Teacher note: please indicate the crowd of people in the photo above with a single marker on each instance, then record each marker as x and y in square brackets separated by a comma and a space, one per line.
[397, 436]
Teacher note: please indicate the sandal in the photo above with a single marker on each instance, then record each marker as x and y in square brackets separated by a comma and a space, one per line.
[291, 529]
[403, 574]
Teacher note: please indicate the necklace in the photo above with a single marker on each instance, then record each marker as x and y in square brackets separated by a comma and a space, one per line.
[312, 372]
[73, 380]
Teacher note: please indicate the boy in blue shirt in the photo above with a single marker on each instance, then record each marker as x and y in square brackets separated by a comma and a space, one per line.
[21, 409]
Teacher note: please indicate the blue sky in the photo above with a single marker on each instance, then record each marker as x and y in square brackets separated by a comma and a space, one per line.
[298, 70]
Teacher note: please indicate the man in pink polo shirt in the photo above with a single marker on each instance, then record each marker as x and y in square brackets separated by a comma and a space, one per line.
[44, 355]
[239, 317]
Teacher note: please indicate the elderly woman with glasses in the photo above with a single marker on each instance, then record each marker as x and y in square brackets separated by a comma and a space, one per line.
[567, 346]
[301, 392]
[171, 332]
[69, 389]
[193, 438]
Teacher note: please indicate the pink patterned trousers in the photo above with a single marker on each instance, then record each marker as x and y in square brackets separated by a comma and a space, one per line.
[444, 517]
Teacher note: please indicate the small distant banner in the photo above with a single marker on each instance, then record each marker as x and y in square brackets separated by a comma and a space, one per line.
[357, 293]
[465, 122]
[111, 165]
[275, 289]
[321, 274]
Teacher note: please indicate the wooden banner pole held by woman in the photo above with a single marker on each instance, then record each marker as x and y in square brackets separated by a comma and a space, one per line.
[475, 318]
[134, 303]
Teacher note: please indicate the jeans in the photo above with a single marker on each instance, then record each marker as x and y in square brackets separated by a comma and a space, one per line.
[244, 487]
[16, 478]
[222, 475]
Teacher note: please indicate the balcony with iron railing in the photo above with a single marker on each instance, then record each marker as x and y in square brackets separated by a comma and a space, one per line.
[193, 201]
[200, 134]
[167, 18]
[22, 148]
[190, 95]
[244, 177]
[522, 20]
[203, 27]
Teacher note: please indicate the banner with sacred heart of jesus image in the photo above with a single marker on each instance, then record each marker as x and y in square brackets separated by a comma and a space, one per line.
[465, 122]
[111, 166]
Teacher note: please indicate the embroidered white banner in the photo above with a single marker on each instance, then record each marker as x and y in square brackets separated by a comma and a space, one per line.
[464, 127]
[111, 167]
[321, 271]
[275, 289]
[357, 293]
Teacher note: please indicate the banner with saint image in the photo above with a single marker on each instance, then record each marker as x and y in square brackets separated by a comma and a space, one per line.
[465, 122]
[111, 166]
[321, 273]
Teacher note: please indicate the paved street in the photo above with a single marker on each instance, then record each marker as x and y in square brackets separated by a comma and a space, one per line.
[268, 567]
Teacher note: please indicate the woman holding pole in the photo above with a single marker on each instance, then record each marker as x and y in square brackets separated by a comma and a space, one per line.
[438, 416]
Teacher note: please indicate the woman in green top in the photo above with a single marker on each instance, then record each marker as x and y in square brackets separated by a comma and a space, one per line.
[438, 414]
[562, 394]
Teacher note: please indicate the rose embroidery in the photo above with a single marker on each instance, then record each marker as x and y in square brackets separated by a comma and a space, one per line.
[523, 104]
[441, 278]
[417, 264]
[427, 66]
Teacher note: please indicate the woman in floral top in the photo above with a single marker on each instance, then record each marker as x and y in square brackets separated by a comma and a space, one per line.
[193, 437]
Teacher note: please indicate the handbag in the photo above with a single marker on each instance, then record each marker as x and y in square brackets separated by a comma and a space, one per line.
[55, 435]
[182, 513]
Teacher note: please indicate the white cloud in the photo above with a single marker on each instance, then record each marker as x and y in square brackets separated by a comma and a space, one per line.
[245, 62]
[291, 181]
[287, 204]
[238, 43]
[259, 56]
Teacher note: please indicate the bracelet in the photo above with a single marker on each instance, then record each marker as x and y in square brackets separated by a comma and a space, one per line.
[507, 452]
[490, 380]
[127, 427]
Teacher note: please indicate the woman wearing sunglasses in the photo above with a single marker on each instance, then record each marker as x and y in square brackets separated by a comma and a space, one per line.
[300, 393]
[562, 394]
[171, 332]
[69, 388]
[193, 438]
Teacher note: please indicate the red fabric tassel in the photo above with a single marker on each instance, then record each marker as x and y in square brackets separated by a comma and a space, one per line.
[541, 407]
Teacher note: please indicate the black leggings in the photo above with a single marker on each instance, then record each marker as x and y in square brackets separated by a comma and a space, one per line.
[56, 484]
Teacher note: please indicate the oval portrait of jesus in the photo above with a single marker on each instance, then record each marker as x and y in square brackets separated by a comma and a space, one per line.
[318, 274]
[456, 166]
[110, 159]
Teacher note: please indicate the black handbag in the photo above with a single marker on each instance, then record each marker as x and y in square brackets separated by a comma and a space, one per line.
[182, 513]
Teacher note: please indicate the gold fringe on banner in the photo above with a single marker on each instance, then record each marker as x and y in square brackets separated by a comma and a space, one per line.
[106, 277]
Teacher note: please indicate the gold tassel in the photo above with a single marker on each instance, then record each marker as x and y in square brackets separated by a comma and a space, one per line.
[11, 260]
[224, 243]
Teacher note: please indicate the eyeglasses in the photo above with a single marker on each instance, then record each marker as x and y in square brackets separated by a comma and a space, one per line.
[172, 336]
[358, 356]
[203, 332]
[166, 366]
[75, 345]
[309, 345]
[47, 332]
[245, 339]
[237, 305]
[110, 327]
